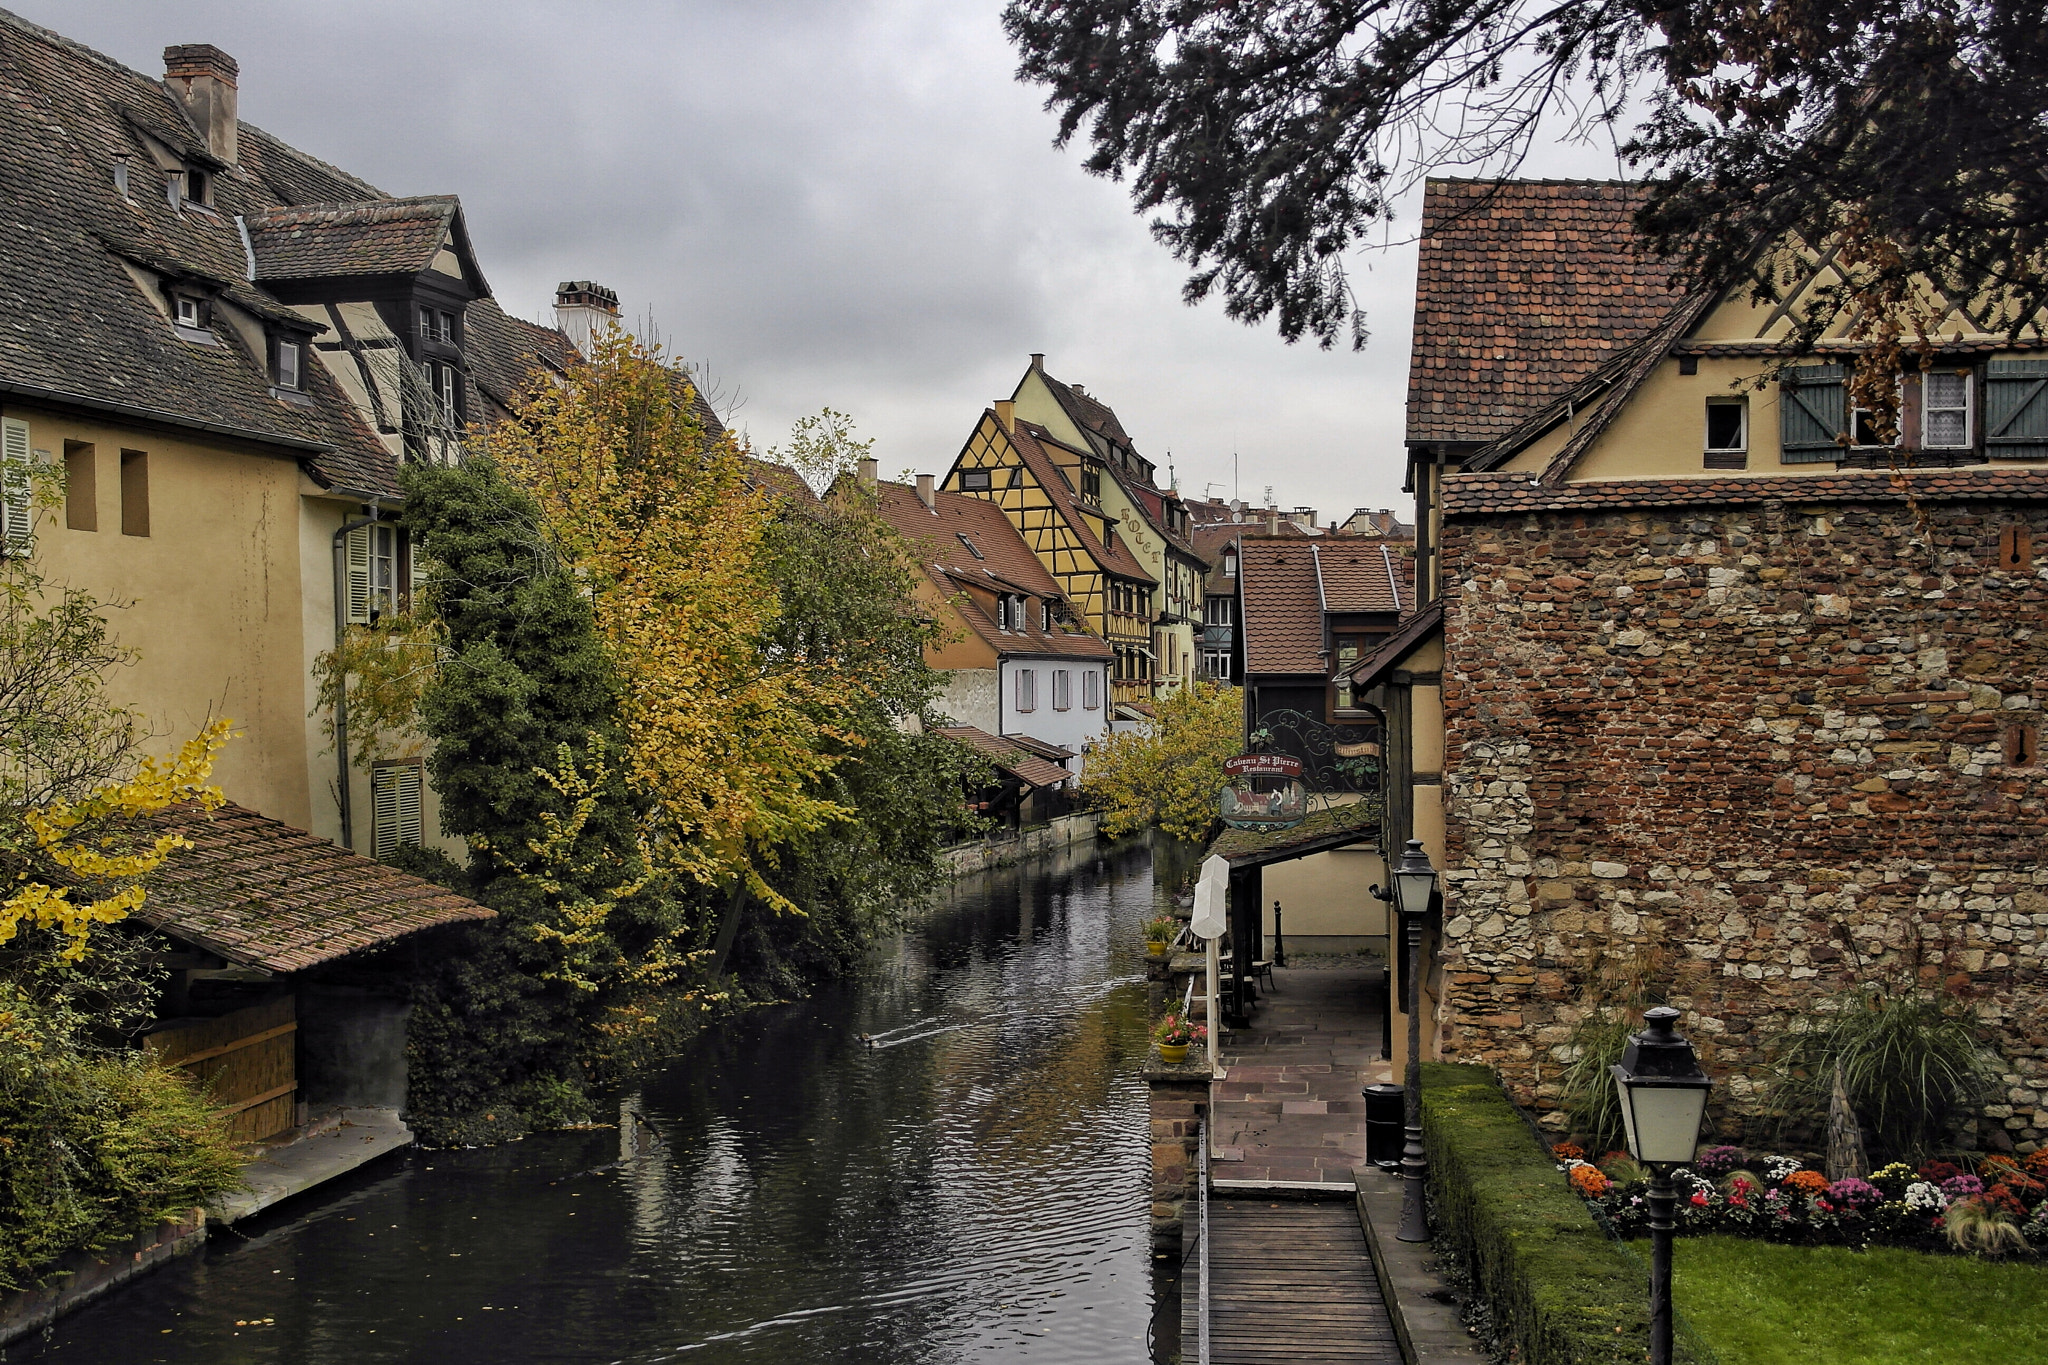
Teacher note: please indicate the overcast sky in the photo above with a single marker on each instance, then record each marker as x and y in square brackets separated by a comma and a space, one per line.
[843, 203]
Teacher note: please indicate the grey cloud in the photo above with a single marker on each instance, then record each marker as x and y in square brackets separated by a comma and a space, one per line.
[832, 203]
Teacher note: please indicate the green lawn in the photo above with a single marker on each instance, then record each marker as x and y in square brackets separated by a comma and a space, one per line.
[1756, 1303]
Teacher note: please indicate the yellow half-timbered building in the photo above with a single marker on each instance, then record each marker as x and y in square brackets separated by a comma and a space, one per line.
[1052, 494]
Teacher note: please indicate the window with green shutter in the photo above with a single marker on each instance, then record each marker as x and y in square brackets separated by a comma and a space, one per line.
[2016, 410]
[396, 789]
[1813, 413]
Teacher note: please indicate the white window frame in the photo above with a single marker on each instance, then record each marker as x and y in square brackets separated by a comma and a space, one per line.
[1062, 690]
[1899, 439]
[1230, 562]
[445, 388]
[185, 310]
[1969, 409]
[290, 359]
[1026, 688]
[1741, 446]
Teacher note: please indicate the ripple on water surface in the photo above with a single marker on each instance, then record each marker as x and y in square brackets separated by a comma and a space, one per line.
[967, 1184]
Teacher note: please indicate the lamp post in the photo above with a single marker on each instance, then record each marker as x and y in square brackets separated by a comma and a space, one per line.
[1663, 1096]
[1414, 891]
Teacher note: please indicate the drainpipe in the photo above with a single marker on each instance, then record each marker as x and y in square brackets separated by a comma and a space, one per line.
[341, 693]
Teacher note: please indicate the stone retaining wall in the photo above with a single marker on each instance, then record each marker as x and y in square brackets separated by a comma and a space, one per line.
[1767, 753]
[1079, 828]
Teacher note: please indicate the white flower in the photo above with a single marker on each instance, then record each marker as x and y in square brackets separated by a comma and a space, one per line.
[1776, 1168]
[1922, 1197]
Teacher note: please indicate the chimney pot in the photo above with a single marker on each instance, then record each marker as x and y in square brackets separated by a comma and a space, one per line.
[925, 494]
[867, 472]
[203, 78]
[1038, 360]
[583, 309]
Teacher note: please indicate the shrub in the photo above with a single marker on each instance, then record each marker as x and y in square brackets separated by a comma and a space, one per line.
[1715, 1162]
[1983, 1228]
[1560, 1289]
[1909, 1063]
[98, 1149]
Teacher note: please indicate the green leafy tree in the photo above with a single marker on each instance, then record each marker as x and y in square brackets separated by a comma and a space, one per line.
[1168, 777]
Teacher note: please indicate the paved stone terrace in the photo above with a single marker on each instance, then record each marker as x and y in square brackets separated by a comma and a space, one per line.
[1289, 1108]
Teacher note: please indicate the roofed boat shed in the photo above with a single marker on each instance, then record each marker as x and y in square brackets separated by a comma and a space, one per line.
[277, 1001]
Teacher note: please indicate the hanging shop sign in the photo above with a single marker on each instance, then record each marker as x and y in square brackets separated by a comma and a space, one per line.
[1264, 791]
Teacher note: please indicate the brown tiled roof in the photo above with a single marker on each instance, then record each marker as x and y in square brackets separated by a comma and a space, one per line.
[375, 237]
[1364, 577]
[1005, 564]
[262, 894]
[1482, 494]
[1523, 290]
[1282, 621]
[1151, 504]
[1051, 752]
[1026, 438]
[1090, 414]
[1391, 651]
[1026, 766]
[75, 328]
[503, 352]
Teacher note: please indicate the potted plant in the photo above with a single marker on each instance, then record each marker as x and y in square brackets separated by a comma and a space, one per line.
[1175, 1034]
[1159, 935]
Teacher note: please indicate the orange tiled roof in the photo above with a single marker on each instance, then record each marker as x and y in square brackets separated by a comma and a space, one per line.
[1004, 563]
[1282, 623]
[1524, 290]
[1364, 577]
[1028, 767]
[260, 893]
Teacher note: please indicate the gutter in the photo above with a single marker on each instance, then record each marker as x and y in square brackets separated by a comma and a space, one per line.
[33, 393]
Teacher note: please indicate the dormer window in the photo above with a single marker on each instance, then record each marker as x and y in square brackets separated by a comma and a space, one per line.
[445, 325]
[197, 185]
[185, 310]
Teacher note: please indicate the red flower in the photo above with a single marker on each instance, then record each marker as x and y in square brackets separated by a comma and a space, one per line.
[1699, 1198]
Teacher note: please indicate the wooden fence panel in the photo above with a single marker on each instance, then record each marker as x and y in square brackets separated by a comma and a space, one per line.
[248, 1060]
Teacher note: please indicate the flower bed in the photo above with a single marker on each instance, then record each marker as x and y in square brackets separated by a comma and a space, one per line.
[1995, 1205]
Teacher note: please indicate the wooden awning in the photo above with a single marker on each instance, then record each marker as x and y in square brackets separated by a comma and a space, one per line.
[1322, 830]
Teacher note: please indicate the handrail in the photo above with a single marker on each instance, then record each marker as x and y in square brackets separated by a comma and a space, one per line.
[1202, 1302]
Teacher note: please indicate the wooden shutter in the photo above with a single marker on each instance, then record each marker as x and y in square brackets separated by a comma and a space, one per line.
[1813, 413]
[396, 790]
[17, 501]
[2016, 410]
[357, 554]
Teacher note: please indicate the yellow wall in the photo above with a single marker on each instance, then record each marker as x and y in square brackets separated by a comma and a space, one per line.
[1325, 895]
[214, 596]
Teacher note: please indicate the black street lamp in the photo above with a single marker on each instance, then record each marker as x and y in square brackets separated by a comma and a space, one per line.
[1414, 893]
[1663, 1096]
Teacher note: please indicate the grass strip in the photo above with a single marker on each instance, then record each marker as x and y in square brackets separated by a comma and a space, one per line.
[1762, 1303]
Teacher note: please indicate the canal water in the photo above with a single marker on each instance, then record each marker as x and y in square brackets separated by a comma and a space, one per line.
[969, 1185]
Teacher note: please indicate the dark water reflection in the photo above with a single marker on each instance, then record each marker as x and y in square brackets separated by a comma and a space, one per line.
[783, 1193]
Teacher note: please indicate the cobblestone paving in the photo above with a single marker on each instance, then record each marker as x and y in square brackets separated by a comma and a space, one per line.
[1289, 1107]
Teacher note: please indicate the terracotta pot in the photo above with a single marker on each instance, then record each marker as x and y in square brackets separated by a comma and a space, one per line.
[1173, 1054]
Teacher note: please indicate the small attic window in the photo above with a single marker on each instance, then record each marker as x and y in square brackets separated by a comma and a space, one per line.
[972, 548]
[198, 186]
[287, 363]
[185, 310]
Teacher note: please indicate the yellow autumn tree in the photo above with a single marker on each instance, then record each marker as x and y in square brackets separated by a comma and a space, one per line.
[664, 522]
[1168, 776]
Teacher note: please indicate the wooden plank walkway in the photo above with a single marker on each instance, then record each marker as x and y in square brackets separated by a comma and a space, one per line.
[1290, 1283]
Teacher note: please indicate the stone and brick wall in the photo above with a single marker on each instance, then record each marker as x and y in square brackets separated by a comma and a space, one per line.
[1776, 749]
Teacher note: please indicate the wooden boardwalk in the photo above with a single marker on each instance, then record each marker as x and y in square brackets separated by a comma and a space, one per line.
[1290, 1283]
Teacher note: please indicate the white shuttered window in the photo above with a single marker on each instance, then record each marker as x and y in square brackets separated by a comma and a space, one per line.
[17, 489]
[1027, 689]
[396, 790]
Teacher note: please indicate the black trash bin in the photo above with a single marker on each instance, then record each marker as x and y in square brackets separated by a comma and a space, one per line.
[1385, 1108]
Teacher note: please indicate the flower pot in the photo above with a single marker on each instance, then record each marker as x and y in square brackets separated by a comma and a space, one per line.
[1156, 949]
[1173, 1054]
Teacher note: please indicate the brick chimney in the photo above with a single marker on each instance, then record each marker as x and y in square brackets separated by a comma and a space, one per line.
[583, 309]
[203, 79]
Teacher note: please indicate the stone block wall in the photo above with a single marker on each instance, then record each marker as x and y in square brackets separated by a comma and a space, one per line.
[1179, 1099]
[1777, 750]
